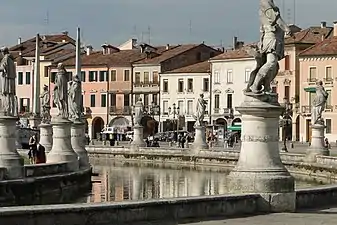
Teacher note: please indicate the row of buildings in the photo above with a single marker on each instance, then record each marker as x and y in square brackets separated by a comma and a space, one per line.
[172, 76]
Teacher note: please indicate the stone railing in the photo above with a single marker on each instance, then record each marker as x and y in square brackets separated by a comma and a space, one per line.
[44, 169]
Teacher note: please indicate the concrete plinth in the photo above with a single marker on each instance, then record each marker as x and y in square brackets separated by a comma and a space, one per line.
[138, 140]
[259, 168]
[78, 143]
[9, 157]
[199, 139]
[61, 150]
[317, 143]
[46, 136]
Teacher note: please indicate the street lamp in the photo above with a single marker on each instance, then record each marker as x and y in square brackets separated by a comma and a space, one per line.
[285, 119]
[175, 112]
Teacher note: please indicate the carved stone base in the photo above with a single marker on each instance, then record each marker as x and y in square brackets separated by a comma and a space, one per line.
[138, 140]
[9, 157]
[78, 143]
[317, 143]
[199, 139]
[259, 168]
[62, 150]
[46, 136]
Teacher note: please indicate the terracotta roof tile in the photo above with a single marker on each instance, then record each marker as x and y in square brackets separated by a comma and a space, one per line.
[326, 47]
[312, 35]
[202, 67]
[167, 54]
[233, 54]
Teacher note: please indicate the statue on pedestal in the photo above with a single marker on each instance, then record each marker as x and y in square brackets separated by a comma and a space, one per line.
[270, 49]
[74, 98]
[318, 105]
[45, 105]
[139, 112]
[61, 91]
[8, 96]
[200, 111]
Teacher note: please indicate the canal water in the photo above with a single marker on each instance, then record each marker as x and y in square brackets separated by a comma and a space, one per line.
[117, 181]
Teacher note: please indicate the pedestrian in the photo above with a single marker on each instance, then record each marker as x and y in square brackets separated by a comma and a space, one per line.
[326, 143]
[32, 148]
[40, 154]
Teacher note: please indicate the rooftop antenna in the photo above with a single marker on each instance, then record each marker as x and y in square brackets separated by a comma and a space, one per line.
[288, 15]
[283, 8]
[294, 11]
[134, 33]
[149, 33]
[46, 20]
[142, 37]
[190, 29]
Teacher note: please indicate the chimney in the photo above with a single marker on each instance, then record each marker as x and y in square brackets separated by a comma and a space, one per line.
[19, 41]
[235, 41]
[89, 49]
[323, 24]
[65, 32]
[335, 29]
[167, 46]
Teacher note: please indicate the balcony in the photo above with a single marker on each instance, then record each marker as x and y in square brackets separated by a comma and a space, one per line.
[216, 111]
[328, 80]
[228, 112]
[329, 108]
[312, 80]
[306, 109]
[286, 73]
[126, 110]
[147, 84]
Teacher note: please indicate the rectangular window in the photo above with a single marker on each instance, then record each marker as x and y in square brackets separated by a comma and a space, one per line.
[146, 78]
[229, 101]
[328, 72]
[287, 93]
[229, 76]
[20, 78]
[216, 77]
[180, 85]
[155, 77]
[190, 85]
[165, 107]
[328, 123]
[27, 77]
[102, 75]
[112, 99]
[155, 99]
[217, 101]
[206, 103]
[206, 85]
[92, 100]
[53, 77]
[83, 76]
[70, 75]
[311, 97]
[274, 89]
[146, 99]
[126, 100]
[287, 62]
[247, 75]
[92, 76]
[189, 107]
[181, 107]
[126, 75]
[137, 96]
[103, 100]
[113, 75]
[312, 73]
[328, 101]
[137, 77]
[165, 86]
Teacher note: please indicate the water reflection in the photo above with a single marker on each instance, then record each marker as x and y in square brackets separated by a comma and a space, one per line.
[118, 183]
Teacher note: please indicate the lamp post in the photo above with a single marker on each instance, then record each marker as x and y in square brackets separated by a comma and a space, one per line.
[285, 119]
[175, 112]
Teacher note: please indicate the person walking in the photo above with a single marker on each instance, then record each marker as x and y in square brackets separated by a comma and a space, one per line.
[32, 148]
[40, 154]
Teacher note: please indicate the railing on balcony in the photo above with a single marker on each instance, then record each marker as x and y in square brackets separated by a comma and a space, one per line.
[216, 110]
[312, 80]
[126, 110]
[146, 84]
[329, 108]
[306, 109]
[328, 80]
[228, 111]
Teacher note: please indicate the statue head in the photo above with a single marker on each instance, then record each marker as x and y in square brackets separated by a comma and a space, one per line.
[201, 95]
[45, 88]
[139, 99]
[4, 50]
[76, 78]
[319, 83]
[60, 66]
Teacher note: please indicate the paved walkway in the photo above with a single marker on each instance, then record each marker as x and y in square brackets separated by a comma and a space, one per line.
[314, 217]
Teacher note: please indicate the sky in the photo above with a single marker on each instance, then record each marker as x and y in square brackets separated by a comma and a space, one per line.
[171, 21]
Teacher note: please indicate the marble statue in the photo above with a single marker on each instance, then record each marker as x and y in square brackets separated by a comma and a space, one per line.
[60, 94]
[45, 105]
[9, 101]
[200, 111]
[318, 105]
[74, 98]
[139, 112]
[270, 49]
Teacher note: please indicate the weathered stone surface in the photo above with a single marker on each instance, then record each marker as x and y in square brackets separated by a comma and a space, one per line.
[138, 140]
[46, 136]
[78, 144]
[317, 143]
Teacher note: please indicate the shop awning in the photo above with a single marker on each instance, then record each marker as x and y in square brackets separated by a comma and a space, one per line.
[310, 89]
[234, 128]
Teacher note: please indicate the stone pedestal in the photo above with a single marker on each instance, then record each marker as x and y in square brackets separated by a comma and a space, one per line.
[62, 150]
[46, 136]
[199, 139]
[34, 121]
[259, 168]
[9, 157]
[317, 143]
[78, 143]
[138, 140]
